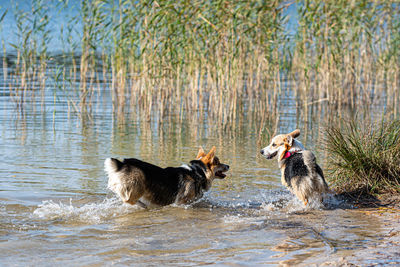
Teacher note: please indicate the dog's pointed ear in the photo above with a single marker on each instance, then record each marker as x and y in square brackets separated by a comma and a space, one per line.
[295, 133]
[210, 156]
[200, 153]
[288, 140]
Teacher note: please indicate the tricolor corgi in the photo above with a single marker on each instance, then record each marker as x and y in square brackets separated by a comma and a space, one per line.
[139, 182]
[299, 169]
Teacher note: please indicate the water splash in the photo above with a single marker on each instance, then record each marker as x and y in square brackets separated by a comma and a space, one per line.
[91, 212]
[288, 203]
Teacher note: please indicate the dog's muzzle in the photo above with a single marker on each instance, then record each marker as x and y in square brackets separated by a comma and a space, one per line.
[220, 174]
[268, 155]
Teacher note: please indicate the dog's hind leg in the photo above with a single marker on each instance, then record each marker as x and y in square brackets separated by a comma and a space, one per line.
[131, 193]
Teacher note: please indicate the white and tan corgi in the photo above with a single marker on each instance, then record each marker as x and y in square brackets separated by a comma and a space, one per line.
[300, 172]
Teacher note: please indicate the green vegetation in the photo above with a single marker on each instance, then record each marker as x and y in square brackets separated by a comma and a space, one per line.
[222, 57]
[365, 158]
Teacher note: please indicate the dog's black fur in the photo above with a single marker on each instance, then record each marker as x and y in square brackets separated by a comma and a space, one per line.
[295, 167]
[165, 182]
[139, 182]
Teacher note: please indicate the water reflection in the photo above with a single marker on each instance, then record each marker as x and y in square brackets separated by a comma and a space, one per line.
[55, 207]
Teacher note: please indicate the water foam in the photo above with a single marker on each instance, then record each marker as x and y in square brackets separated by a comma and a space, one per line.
[250, 219]
[92, 212]
[284, 201]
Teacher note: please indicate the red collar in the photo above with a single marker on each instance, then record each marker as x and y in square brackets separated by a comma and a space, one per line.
[287, 155]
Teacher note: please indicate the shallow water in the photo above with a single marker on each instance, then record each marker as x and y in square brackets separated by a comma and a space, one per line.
[55, 206]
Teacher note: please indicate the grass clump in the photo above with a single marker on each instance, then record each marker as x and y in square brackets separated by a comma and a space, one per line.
[365, 159]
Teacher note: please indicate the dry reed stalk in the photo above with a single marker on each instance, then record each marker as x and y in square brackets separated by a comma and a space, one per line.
[217, 57]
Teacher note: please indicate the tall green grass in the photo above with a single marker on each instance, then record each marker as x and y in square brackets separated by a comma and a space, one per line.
[221, 57]
[364, 157]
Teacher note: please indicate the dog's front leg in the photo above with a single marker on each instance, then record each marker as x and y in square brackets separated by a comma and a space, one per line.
[188, 194]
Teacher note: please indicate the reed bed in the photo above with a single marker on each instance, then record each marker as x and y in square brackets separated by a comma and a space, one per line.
[365, 158]
[347, 52]
[217, 59]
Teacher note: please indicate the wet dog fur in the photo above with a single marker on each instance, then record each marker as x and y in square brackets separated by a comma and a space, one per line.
[139, 182]
[300, 172]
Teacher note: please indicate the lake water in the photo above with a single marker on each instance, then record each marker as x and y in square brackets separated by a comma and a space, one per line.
[56, 209]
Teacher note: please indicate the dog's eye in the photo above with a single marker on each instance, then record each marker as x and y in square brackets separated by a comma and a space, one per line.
[281, 144]
[274, 145]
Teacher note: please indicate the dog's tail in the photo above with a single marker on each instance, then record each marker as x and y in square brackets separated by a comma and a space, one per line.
[112, 166]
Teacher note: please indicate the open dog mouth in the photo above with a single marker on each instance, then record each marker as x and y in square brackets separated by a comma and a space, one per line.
[220, 174]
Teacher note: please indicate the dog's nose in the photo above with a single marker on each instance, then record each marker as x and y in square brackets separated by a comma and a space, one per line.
[262, 151]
